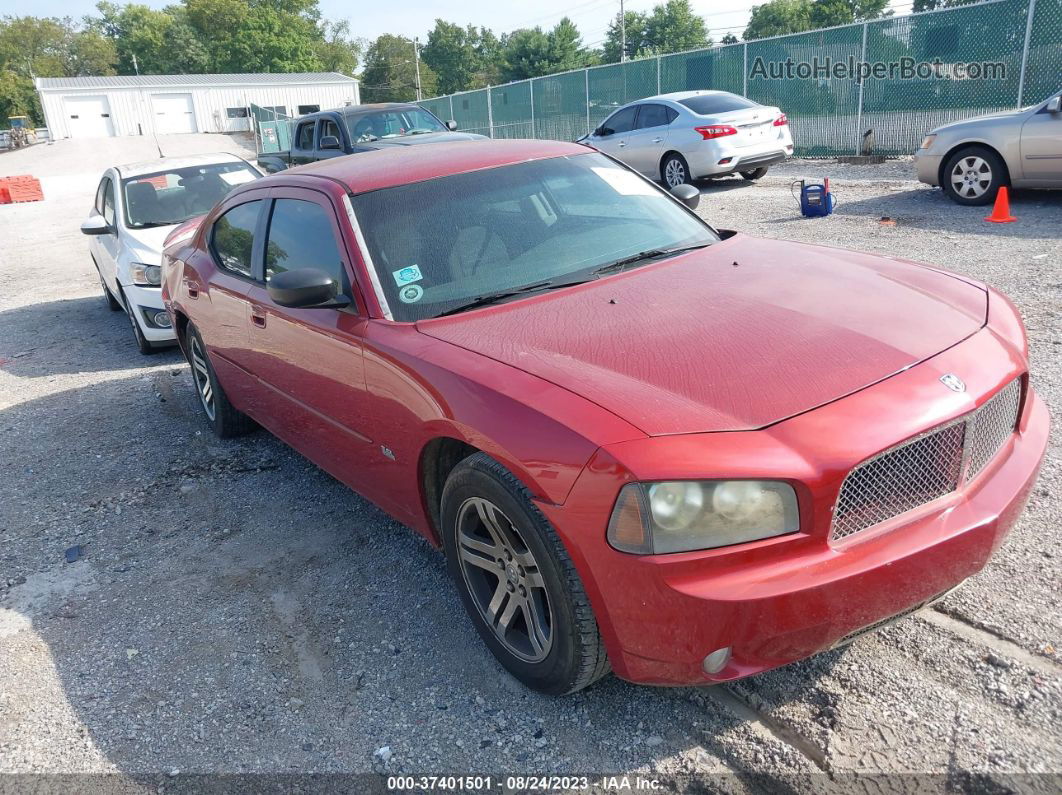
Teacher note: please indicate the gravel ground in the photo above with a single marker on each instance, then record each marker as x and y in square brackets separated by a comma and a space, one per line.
[236, 610]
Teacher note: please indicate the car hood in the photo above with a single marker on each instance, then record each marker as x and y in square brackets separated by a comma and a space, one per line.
[976, 120]
[733, 337]
[148, 243]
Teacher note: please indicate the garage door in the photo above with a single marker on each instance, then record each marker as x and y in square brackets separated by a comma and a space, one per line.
[173, 113]
[88, 117]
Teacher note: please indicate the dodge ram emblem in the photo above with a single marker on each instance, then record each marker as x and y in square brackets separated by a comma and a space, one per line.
[953, 382]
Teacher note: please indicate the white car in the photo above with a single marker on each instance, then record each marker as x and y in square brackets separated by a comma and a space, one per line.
[687, 135]
[136, 207]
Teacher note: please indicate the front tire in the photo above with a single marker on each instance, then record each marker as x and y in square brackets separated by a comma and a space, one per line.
[754, 174]
[113, 303]
[675, 171]
[517, 582]
[142, 344]
[225, 420]
[973, 175]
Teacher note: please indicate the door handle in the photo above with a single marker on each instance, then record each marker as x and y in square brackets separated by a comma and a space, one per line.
[258, 316]
[657, 140]
[192, 287]
[622, 143]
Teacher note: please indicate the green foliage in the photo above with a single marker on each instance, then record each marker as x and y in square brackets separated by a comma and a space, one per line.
[531, 52]
[778, 17]
[670, 27]
[451, 52]
[729, 38]
[390, 73]
[45, 47]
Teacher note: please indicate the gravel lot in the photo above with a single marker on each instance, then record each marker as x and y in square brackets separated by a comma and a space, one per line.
[236, 610]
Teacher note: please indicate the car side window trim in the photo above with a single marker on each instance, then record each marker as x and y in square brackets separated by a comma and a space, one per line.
[366, 258]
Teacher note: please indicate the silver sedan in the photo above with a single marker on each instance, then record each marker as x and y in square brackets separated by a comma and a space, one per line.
[971, 159]
[687, 135]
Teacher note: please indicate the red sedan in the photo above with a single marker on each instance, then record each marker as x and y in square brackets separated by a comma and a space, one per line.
[645, 445]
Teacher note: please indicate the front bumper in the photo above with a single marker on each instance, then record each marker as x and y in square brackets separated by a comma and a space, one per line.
[777, 601]
[927, 167]
[148, 298]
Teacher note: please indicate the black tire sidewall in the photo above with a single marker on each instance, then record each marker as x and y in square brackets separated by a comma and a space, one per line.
[141, 341]
[754, 174]
[999, 176]
[557, 674]
[217, 423]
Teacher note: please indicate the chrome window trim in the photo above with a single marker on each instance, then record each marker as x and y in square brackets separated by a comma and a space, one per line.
[366, 257]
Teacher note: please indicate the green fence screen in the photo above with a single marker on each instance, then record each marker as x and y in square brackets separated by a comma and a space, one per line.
[900, 77]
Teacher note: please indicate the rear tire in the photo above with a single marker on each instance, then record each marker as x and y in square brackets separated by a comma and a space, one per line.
[225, 420]
[517, 582]
[675, 171]
[973, 175]
[755, 174]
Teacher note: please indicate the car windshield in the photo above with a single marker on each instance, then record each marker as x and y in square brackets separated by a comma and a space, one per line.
[177, 194]
[392, 124]
[723, 102]
[442, 245]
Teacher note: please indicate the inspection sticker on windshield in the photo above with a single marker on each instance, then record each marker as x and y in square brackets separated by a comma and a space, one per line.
[237, 177]
[407, 275]
[625, 183]
[410, 294]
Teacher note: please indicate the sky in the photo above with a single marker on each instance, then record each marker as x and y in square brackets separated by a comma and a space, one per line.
[416, 17]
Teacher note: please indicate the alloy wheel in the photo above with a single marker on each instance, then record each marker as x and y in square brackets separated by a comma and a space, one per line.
[504, 580]
[971, 177]
[201, 375]
[674, 173]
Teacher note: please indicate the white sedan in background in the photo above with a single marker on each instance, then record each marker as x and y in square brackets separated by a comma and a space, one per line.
[687, 135]
[136, 207]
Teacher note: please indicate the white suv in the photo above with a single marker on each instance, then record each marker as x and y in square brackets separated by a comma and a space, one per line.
[136, 207]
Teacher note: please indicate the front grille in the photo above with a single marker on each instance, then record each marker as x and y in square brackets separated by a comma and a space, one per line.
[929, 466]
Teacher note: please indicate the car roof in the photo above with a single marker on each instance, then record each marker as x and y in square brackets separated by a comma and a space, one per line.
[401, 165]
[163, 163]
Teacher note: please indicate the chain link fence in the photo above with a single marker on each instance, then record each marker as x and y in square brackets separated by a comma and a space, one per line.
[899, 78]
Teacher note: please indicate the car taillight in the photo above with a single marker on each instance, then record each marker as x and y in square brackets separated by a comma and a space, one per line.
[715, 131]
[781, 121]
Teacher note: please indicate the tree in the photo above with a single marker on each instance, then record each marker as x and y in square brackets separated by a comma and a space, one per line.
[669, 27]
[729, 38]
[45, 47]
[451, 53]
[779, 17]
[390, 72]
[530, 52]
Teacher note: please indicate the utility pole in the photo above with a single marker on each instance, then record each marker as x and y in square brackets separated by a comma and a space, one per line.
[623, 34]
[416, 57]
[136, 67]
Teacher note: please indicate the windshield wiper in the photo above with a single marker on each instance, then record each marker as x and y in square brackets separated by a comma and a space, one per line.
[493, 298]
[653, 253]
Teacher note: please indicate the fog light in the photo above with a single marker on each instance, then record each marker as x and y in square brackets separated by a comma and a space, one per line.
[161, 319]
[716, 661]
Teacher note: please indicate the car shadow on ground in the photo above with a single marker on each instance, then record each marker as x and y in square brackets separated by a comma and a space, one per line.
[929, 208]
[49, 338]
[233, 609]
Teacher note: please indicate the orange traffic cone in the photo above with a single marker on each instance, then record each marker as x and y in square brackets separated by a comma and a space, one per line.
[1001, 209]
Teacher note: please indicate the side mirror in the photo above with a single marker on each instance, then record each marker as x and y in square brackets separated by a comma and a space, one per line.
[687, 194]
[329, 142]
[306, 287]
[95, 225]
[451, 125]
[1054, 105]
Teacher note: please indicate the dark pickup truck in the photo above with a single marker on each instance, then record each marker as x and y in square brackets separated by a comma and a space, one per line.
[361, 128]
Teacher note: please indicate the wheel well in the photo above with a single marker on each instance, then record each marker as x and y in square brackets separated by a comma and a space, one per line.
[970, 145]
[181, 325]
[437, 461]
[665, 156]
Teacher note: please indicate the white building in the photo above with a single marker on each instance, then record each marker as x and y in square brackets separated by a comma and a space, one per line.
[94, 107]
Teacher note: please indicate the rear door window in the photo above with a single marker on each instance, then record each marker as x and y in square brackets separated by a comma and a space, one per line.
[301, 236]
[304, 137]
[723, 102]
[233, 238]
[655, 116]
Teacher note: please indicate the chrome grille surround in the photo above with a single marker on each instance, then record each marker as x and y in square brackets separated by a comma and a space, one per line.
[929, 466]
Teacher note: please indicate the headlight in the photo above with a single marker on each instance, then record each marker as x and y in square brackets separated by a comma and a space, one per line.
[928, 141]
[146, 275]
[685, 515]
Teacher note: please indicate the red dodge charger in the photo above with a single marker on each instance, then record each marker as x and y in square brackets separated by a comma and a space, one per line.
[645, 445]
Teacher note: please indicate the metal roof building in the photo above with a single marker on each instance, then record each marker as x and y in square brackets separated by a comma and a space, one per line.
[95, 107]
